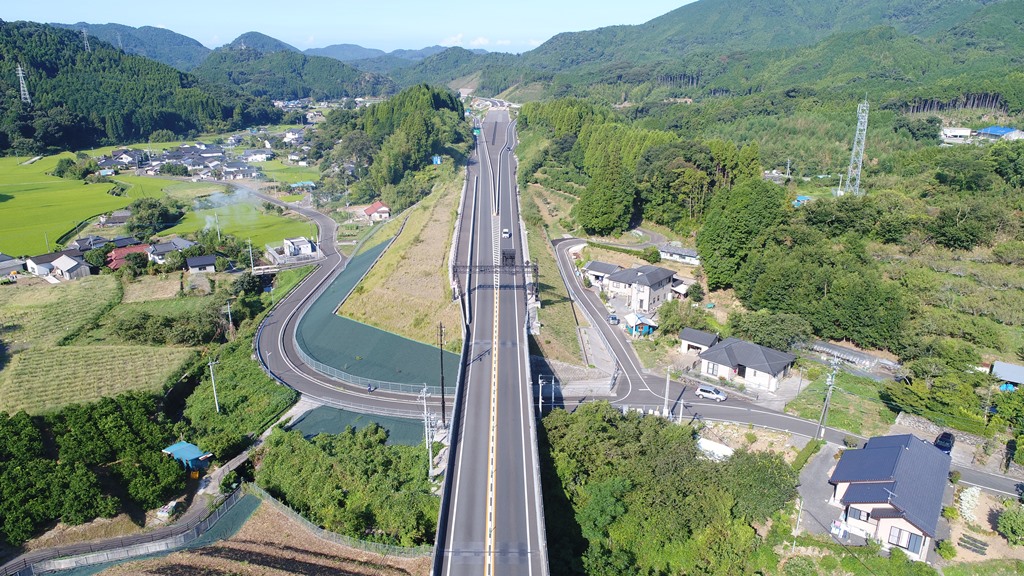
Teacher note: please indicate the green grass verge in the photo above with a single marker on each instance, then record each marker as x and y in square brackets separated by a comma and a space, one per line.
[292, 197]
[986, 568]
[652, 353]
[855, 406]
[288, 174]
[243, 220]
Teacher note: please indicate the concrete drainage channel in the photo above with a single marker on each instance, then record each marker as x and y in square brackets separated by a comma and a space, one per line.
[188, 534]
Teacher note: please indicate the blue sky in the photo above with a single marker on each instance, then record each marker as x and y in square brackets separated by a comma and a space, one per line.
[386, 24]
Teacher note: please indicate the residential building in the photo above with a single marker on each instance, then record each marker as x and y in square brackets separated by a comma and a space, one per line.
[679, 254]
[88, 243]
[892, 491]
[42, 265]
[643, 288]
[753, 365]
[377, 211]
[598, 271]
[115, 218]
[10, 264]
[199, 264]
[118, 256]
[159, 251]
[639, 325]
[691, 340]
[70, 267]
[298, 246]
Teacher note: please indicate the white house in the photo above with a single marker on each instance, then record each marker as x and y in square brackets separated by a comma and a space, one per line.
[643, 288]
[158, 252]
[891, 491]
[956, 135]
[679, 254]
[377, 211]
[10, 264]
[199, 264]
[753, 365]
[298, 246]
[42, 265]
[691, 340]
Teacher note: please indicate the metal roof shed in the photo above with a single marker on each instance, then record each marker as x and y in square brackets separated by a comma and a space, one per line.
[190, 455]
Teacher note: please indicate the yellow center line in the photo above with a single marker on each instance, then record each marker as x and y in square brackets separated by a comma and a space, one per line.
[492, 442]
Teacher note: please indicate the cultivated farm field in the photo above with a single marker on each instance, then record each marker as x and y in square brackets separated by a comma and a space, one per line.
[39, 375]
[45, 379]
[288, 174]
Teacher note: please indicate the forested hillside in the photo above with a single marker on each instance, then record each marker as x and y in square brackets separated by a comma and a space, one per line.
[160, 44]
[926, 265]
[382, 147]
[84, 99]
[280, 73]
[260, 43]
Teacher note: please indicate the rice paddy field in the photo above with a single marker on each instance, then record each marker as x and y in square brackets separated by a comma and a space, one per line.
[243, 220]
[281, 172]
[36, 208]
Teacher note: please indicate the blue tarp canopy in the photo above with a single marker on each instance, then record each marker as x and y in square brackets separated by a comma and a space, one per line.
[188, 454]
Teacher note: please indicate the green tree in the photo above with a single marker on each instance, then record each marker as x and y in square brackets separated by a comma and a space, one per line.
[606, 205]
[781, 331]
[1011, 524]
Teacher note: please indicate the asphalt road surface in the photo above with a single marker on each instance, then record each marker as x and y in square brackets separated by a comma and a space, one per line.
[494, 521]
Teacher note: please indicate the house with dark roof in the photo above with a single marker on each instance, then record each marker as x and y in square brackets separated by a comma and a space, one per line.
[70, 267]
[692, 340]
[199, 264]
[159, 251]
[124, 241]
[598, 271]
[891, 491]
[679, 254]
[116, 218]
[42, 265]
[10, 265]
[753, 365]
[87, 243]
[643, 288]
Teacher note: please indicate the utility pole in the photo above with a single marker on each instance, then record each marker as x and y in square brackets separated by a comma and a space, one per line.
[540, 394]
[251, 264]
[231, 325]
[830, 383]
[216, 404]
[440, 349]
[426, 432]
[664, 409]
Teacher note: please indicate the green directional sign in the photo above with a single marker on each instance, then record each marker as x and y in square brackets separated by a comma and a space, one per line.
[476, 131]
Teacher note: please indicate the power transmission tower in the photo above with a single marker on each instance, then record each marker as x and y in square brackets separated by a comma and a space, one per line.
[120, 44]
[85, 36]
[24, 87]
[857, 156]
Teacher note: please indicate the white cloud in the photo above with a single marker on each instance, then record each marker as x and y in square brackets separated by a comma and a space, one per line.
[502, 42]
[533, 42]
[311, 40]
[479, 41]
[455, 40]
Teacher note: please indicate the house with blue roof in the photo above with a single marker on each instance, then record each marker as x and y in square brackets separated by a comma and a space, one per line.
[1000, 133]
[891, 491]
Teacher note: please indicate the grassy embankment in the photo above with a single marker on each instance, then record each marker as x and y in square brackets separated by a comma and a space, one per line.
[407, 292]
[544, 211]
[40, 375]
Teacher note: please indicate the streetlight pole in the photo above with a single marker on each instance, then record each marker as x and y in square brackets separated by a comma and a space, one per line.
[231, 324]
[440, 349]
[830, 382]
[216, 404]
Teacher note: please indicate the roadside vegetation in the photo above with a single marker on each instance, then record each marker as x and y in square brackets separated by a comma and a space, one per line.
[407, 292]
